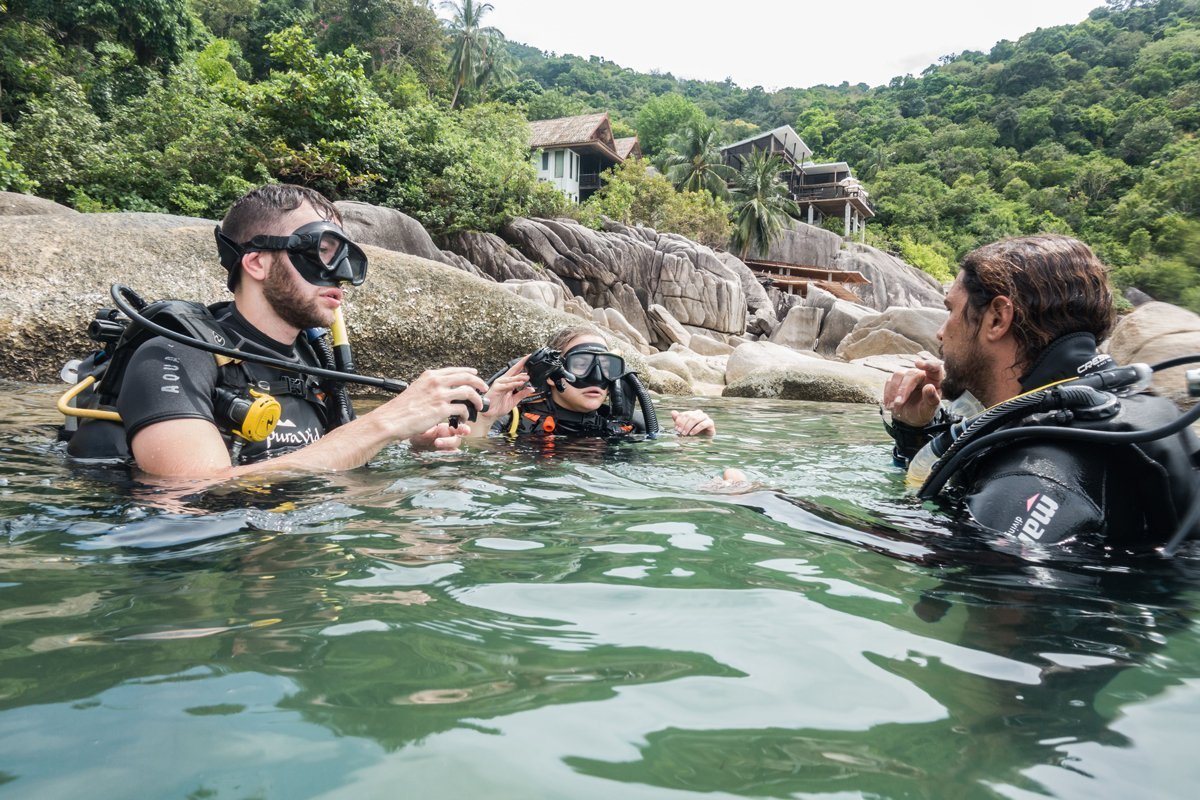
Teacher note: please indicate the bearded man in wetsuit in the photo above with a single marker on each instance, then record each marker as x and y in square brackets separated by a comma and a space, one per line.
[1026, 313]
[166, 401]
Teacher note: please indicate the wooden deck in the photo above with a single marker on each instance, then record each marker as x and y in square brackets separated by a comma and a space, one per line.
[795, 278]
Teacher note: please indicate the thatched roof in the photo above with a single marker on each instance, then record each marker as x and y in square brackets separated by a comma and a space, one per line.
[629, 146]
[588, 132]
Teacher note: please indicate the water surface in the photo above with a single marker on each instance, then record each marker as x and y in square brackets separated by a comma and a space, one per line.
[580, 622]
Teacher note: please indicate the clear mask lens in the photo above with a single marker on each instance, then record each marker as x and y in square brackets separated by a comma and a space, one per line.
[328, 258]
[331, 249]
[581, 364]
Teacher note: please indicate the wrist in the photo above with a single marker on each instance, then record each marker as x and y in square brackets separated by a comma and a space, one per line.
[909, 437]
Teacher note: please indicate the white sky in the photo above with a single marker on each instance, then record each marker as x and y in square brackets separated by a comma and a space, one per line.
[776, 43]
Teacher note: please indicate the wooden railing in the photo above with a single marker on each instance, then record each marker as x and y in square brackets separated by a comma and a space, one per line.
[826, 193]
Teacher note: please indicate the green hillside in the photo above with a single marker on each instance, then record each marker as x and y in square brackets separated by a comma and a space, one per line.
[1087, 129]
[179, 106]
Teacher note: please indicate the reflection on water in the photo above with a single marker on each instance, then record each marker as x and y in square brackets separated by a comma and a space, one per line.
[588, 622]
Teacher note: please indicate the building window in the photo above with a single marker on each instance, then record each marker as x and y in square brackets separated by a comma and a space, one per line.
[558, 163]
[545, 161]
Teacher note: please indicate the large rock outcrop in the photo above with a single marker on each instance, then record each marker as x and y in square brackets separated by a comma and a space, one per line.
[896, 330]
[410, 315]
[13, 204]
[804, 244]
[758, 302]
[629, 268]
[387, 228]
[394, 230]
[892, 282]
[764, 369]
[496, 259]
[1155, 332]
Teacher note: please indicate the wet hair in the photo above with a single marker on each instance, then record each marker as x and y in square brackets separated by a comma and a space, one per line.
[1057, 286]
[259, 210]
[560, 340]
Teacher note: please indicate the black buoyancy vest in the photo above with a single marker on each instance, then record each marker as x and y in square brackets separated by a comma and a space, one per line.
[1158, 477]
[217, 324]
[542, 415]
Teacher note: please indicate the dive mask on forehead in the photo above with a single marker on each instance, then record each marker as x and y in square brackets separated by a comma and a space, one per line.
[320, 251]
[592, 365]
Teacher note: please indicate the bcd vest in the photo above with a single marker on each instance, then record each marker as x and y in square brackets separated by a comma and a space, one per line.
[105, 439]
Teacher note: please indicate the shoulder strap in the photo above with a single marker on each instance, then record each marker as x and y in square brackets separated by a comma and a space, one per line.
[191, 319]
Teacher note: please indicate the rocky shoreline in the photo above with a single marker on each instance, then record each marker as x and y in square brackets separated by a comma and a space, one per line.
[692, 320]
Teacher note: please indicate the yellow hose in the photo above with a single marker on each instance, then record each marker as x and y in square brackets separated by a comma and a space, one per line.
[88, 413]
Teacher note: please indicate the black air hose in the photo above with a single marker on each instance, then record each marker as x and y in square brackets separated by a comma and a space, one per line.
[1052, 399]
[648, 415]
[338, 401]
[1056, 432]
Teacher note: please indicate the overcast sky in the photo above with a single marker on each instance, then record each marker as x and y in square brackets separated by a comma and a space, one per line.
[776, 43]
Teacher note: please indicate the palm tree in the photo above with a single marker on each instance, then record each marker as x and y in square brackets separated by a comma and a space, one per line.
[693, 161]
[876, 160]
[761, 204]
[476, 52]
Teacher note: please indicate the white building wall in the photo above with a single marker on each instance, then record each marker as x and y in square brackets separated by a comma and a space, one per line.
[568, 183]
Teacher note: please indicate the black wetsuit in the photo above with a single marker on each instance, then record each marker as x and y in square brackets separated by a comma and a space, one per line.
[542, 416]
[1048, 492]
[166, 380]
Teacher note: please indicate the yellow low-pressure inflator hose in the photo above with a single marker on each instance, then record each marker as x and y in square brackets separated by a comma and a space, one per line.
[68, 410]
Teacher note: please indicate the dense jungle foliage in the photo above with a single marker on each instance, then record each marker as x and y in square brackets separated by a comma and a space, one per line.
[180, 105]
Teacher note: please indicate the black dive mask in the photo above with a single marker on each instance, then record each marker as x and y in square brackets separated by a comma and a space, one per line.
[320, 251]
[592, 365]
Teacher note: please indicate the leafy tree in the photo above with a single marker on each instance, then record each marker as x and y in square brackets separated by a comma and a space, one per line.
[662, 117]
[398, 35]
[30, 62]
[320, 114]
[552, 104]
[634, 195]
[693, 161]
[58, 141]
[459, 170]
[12, 176]
[926, 258]
[1145, 139]
[227, 19]
[184, 147]
[761, 203]
[817, 127]
[158, 31]
[701, 217]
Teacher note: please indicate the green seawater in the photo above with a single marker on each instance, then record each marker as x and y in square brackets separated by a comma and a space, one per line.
[580, 622]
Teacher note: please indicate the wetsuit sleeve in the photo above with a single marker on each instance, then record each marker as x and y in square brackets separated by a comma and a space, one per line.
[1039, 494]
[166, 380]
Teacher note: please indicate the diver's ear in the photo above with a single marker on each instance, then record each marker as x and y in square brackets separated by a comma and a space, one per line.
[256, 264]
[998, 318]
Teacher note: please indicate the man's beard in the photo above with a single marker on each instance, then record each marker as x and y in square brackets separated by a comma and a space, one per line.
[287, 298]
[966, 374]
